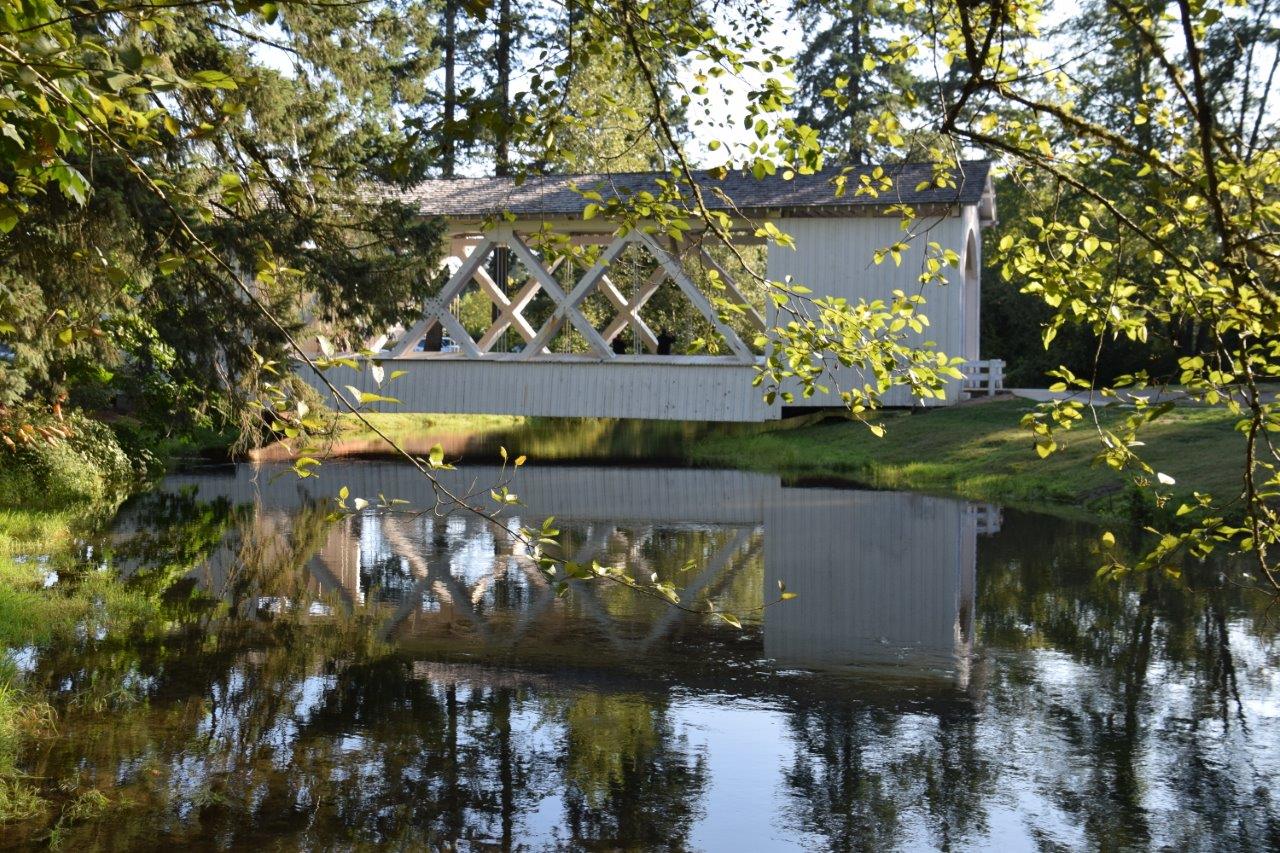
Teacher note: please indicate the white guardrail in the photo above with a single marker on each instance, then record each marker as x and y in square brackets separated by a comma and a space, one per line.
[983, 377]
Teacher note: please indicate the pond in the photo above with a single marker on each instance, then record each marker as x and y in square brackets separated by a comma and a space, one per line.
[950, 675]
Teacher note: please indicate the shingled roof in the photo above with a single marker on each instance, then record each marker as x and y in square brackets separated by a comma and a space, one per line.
[803, 195]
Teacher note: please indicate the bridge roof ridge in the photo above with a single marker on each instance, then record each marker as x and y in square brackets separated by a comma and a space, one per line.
[802, 195]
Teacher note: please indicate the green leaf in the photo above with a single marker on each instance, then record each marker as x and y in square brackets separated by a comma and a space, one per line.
[370, 397]
[210, 79]
[170, 264]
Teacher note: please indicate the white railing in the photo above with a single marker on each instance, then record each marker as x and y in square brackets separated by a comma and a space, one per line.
[987, 518]
[983, 377]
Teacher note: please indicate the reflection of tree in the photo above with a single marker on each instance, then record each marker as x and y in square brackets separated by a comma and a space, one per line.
[1110, 745]
[631, 781]
[857, 775]
[836, 794]
[174, 533]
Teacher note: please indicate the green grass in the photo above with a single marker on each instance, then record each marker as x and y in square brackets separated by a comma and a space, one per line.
[33, 542]
[979, 451]
[401, 426]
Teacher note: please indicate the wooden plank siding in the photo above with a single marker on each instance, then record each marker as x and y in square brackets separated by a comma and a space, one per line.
[835, 257]
[651, 387]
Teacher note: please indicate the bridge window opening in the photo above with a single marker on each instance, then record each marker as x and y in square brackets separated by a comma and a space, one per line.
[733, 275]
[471, 307]
[435, 340]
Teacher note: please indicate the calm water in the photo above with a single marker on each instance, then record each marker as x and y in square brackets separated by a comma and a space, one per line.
[950, 676]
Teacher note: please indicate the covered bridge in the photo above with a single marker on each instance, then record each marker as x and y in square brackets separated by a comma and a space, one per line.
[607, 328]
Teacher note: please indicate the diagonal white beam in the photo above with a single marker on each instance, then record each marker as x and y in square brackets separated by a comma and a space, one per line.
[566, 305]
[629, 311]
[460, 335]
[434, 309]
[490, 288]
[700, 302]
[732, 286]
[507, 314]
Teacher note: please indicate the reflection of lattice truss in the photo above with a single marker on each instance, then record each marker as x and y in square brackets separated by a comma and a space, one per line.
[713, 576]
[568, 306]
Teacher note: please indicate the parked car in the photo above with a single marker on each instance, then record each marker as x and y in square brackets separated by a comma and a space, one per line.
[447, 344]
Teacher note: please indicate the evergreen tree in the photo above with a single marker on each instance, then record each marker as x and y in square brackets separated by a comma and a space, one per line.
[268, 155]
[836, 93]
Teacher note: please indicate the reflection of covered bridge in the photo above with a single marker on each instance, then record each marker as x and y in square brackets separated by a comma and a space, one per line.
[521, 329]
[881, 576]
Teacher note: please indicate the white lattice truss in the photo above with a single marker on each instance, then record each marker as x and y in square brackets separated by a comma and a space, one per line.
[568, 306]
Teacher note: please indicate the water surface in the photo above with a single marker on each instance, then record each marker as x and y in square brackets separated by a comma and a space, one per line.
[950, 676]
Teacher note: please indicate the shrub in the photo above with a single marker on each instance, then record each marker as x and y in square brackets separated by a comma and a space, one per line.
[51, 459]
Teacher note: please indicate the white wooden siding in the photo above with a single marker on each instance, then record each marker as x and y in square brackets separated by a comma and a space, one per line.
[653, 387]
[835, 257]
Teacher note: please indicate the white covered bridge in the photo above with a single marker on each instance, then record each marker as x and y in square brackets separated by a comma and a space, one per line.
[548, 313]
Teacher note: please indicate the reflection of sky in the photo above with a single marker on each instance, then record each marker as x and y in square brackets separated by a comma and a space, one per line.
[747, 747]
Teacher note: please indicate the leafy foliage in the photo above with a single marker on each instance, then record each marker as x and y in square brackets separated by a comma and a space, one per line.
[1157, 198]
[257, 163]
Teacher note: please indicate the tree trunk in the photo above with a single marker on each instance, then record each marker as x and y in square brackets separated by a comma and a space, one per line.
[448, 150]
[502, 152]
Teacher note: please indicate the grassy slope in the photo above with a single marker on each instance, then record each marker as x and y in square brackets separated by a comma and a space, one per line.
[979, 451]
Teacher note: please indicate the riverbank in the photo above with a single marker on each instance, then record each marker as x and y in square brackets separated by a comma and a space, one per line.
[38, 547]
[66, 481]
[976, 451]
[980, 452]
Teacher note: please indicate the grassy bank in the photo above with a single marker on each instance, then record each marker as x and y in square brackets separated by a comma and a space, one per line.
[51, 494]
[977, 451]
